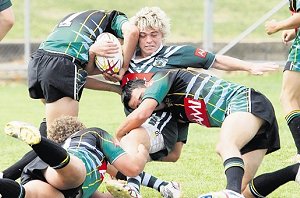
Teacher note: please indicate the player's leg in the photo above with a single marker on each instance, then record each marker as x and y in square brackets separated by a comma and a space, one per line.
[33, 189]
[14, 171]
[290, 100]
[236, 131]
[63, 106]
[7, 19]
[130, 144]
[234, 135]
[65, 171]
[263, 185]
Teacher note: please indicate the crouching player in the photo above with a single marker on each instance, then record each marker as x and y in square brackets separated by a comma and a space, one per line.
[200, 98]
[76, 169]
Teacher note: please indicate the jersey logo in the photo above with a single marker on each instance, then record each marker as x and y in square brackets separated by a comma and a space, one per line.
[200, 53]
[195, 111]
[160, 62]
[102, 169]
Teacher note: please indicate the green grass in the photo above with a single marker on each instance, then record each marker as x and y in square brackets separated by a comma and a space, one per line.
[231, 17]
[199, 169]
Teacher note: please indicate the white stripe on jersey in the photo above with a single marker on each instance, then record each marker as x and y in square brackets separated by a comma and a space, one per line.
[93, 148]
[172, 51]
[75, 88]
[190, 85]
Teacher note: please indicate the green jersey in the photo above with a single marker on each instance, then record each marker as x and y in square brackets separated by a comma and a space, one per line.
[75, 33]
[95, 147]
[4, 4]
[294, 55]
[166, 58]
[198, 97]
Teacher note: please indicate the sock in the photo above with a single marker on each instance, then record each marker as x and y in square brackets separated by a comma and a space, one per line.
[14, 172]
[11, 189]
[152, 182]
[52, 153]
[135, 182]
[147, 180]
[43, 128]
[234, 171]
[293, 121]
[264, 184]
[121, 176]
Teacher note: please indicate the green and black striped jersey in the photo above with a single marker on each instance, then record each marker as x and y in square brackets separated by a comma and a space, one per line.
[197, 97]
[166, 58]
[294, 55]
[75, 33]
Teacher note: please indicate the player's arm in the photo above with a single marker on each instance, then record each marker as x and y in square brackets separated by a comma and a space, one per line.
[228, 63]
[105, 49]
[96, 84]
[137, 117]
[131, 36]
[7, 20]
[174, 155]
[290, 23]
[132, 165]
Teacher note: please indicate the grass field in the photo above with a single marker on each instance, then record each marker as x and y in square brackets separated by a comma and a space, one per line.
[231, 17]
[199, 169]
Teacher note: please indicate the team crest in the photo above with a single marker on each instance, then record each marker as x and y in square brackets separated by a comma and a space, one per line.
[160, 62]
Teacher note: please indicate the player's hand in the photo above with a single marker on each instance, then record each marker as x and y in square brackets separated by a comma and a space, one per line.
[271, 27]
[105, 49]
[110, 77]
[260, 68]
[288, 35]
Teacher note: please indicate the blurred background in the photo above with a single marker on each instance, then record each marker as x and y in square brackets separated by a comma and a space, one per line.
[231, 27]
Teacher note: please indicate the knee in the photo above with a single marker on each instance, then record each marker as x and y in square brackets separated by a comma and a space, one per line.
[220, 147]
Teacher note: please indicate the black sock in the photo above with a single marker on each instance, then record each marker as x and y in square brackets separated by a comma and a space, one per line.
[51, 153]
[121, 176]
[11, 189]
[43, 128]
[264, 184]
[293, 121]
[234, 171]
[14, 172]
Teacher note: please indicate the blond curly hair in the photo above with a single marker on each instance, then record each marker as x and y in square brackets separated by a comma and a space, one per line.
[152, 17]
[63, 127]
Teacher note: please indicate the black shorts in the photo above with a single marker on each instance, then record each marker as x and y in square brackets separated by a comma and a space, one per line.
[268, 135]
[34, 171]
[52, 76]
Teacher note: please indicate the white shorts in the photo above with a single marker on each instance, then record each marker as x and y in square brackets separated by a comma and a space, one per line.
[156, 138]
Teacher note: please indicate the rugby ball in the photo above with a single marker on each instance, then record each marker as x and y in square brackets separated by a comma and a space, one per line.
[110, 65]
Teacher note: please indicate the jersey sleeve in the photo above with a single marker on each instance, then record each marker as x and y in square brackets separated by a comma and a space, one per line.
[294, 6]
[190, 56]
[5, 4]
[117, 23]
[108, 147]
[160, 85]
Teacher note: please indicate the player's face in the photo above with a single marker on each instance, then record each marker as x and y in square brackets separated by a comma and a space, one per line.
[136, 97]
[149, 41]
